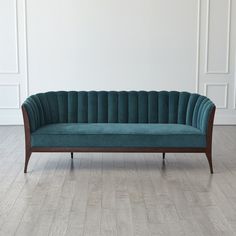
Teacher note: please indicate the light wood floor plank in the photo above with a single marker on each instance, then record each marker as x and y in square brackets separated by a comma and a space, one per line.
[117, 194]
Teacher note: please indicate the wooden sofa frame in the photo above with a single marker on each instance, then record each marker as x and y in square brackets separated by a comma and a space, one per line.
[207, 150]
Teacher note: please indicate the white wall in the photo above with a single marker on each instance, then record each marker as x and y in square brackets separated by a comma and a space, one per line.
[112, 45]
[117, 45]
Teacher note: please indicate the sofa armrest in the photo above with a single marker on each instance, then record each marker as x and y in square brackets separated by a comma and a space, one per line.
[34, 112]
[204, 107]
[207, 117]
[26, 128]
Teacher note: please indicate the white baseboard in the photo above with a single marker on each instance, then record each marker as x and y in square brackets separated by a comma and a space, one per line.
[225, 120]
[16, 119]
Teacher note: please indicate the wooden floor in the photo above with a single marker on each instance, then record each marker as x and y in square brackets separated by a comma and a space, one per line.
[117, 194]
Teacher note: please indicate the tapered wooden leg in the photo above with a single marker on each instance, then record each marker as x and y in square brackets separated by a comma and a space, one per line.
[71, 155]
[209, 158]
[163, 155]
[27, 157]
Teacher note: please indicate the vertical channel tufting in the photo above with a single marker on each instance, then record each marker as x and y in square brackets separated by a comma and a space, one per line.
[112, 107]
[82, 107]
[190, 109]
[45, 107]
[92, 107]
[152, 107]
[28, 107]
[142, 107]
[62, 98]
[173, 106]
[133, 107]
[123, 107]
[183, 104]
[200, 111]
[205, 106]
[196, 110]
[72, 106]
[40, 110]
[102, 107]
[163, 107]
[206, 115]
[53, 106]
[33, 114]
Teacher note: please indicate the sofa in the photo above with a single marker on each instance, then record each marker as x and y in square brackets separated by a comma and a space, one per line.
[124, 121]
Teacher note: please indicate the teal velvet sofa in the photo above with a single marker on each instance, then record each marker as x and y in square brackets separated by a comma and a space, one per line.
[125, 121]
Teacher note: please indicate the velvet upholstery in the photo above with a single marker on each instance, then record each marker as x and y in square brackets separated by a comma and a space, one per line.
[117, 135]
[189, 111]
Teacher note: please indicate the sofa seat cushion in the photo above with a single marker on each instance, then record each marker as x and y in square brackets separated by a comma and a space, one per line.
[117, 135]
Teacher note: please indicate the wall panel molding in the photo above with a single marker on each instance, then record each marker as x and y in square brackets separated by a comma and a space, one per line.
[10, 94]
[26, 48]
[227, 59]
[215, 96]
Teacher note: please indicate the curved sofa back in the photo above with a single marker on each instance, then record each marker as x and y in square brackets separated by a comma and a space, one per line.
[118, 107]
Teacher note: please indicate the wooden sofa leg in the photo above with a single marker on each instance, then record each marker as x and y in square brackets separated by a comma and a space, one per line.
[209, 158]
[163, 155]
[72, 155]
[27, 157]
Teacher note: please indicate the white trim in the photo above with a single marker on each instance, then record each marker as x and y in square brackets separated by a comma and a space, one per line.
[198, 45]
[17, 71]
[225, 119]
[226, 71]
[26, 50]
[234, 95]
[206, 85]
[234, 84]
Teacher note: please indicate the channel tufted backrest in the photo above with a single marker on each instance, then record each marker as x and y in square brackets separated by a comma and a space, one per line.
[118, 107]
